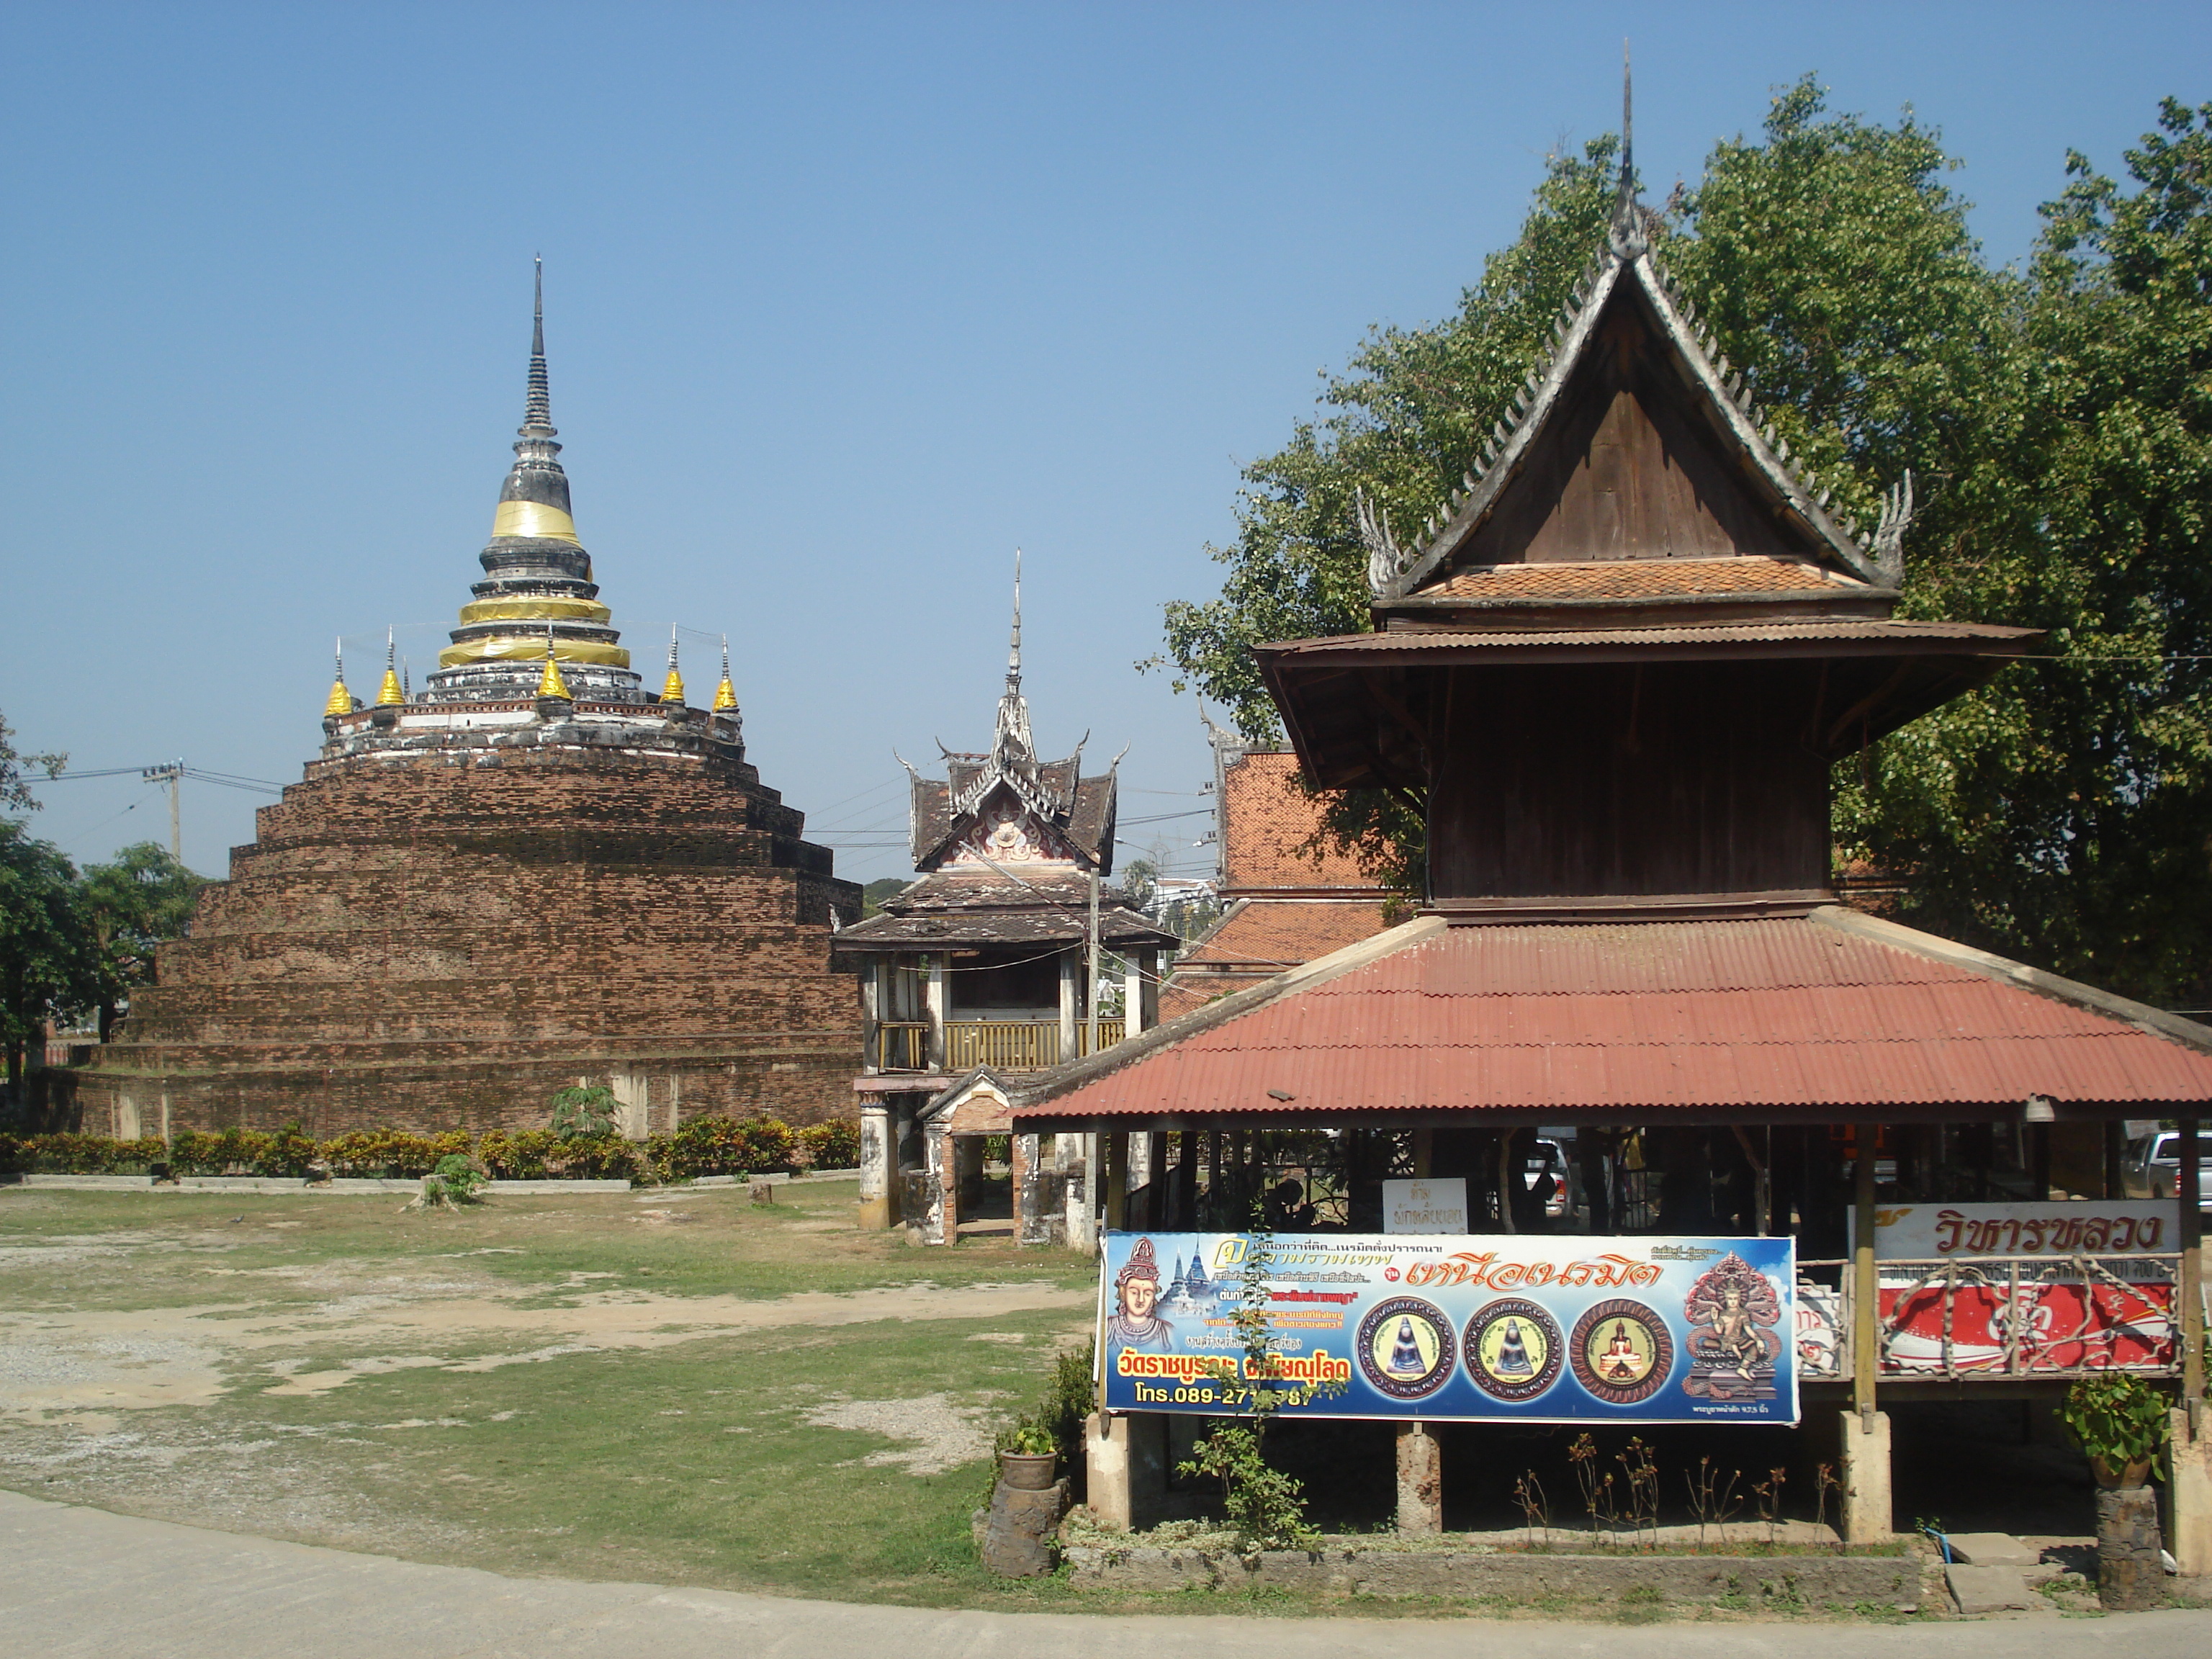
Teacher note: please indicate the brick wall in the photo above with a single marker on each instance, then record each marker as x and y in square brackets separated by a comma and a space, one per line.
[430, 940]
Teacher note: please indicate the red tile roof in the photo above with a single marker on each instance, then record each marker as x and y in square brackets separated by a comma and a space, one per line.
[1688, 642]
[1822, 1018]
[1266, 817]
[1634, 579]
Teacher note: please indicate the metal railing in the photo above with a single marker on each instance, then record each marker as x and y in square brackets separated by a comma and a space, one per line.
[2023, 1340]
[1005, 1045]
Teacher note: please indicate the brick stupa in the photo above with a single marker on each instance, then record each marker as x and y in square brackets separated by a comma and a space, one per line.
[530, 873]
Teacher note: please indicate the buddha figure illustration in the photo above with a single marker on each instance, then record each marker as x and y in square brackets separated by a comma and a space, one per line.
[1406, 1354]
[1136, 1322]
[1621, 1363]
[1513, 1352]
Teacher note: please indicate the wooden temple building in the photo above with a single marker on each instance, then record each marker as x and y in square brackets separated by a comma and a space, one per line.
[534, 871]
[1617, 668]
[985, 969]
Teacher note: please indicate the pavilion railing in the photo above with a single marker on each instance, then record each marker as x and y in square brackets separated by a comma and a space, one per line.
[2023, 1337]
[1017, 1045]
[902, 1046]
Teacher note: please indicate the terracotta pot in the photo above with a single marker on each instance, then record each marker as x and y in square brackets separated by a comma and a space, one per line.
[2130, 1474]
[1027, 1471]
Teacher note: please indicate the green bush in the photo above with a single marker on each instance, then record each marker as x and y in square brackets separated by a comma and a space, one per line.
[518, 1154]
[2115, 1417]
[835, 1146]
[584, 1112]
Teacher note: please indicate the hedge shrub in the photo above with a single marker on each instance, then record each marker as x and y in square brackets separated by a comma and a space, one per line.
[705, 1145]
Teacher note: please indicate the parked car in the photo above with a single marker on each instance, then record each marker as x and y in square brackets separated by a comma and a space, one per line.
[2153, 1167]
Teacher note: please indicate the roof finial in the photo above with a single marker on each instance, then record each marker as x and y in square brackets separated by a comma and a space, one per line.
[389, 692]
[538, 407]
[1014, 648]
[340, 701]
[725, 695]
[672, 692]
[1626, 236]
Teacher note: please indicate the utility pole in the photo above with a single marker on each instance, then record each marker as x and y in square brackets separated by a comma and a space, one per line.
[1091, 995]
[173, 775]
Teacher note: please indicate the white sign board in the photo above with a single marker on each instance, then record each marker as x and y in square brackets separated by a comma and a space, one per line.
[1960, 1233]
[1425, 1206]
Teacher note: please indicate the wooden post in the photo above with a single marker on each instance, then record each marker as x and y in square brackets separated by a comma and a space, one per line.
[1866, 1322]
[2116, 1152]
[2188, 1188]
[1425, 1153]
[1116, 1145]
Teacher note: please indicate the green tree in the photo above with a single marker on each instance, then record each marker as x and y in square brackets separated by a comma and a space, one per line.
[49, 965]
[2064, 814]
[134, 904]
[16, 794]
[2057, 420]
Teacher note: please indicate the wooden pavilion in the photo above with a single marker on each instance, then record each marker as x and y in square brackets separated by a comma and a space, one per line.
[1617, 670]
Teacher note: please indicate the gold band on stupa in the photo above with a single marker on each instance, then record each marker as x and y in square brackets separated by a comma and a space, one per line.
[538, 608]
[534, 520]
[525, 648]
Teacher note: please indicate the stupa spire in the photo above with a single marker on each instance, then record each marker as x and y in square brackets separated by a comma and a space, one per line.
[389, 692]
[725, 695]
[672, 691]
[537, 578]
[550, 683]
[340, 701]
[538, 403]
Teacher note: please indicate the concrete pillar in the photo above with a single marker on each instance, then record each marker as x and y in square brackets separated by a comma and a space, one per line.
[1421, 1482]
[935, 998]
[1865, 1500]
[2188, 1498]
[633, 1094]
[871, 1005]
[1134, 969]
[1125, 1460]
[945, 1152]
[126, 1115]
[1071, 994]
[878, 1168]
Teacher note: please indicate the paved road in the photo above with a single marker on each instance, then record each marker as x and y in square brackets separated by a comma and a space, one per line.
[80, 1582]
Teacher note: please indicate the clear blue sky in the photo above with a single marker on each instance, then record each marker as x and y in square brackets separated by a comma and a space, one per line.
[844, 302]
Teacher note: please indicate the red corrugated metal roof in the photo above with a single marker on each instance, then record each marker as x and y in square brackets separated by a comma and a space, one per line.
[1643, 1016]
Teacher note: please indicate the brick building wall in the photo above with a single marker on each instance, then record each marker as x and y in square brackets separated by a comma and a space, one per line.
[445, 937]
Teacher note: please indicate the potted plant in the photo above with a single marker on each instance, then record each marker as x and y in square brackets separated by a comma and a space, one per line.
[1028, 1457]
[2119, 1421]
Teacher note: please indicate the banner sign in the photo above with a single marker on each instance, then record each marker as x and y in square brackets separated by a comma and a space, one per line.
[2093, 1292]
[1425, 1205]
[1940, 1232]
[1459, 1328]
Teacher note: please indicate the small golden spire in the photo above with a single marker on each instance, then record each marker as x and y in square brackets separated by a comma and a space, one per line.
[672, 692]
[725, 695]
[550, 683]
[340, 701]
[389, 692]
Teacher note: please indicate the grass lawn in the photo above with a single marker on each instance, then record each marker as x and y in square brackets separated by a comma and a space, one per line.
[675, 1387]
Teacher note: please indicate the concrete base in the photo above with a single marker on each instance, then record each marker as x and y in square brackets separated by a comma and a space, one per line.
[1421, 1482]
[1990, 1590]
[1125, 1461]
[2188, 1498]
[1992, 1549]
[1865, 1500]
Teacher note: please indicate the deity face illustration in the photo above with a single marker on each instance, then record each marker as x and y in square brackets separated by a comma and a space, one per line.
[1138, 1297]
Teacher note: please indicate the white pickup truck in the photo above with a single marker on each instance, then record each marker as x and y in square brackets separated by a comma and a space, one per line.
[2153, 1166]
